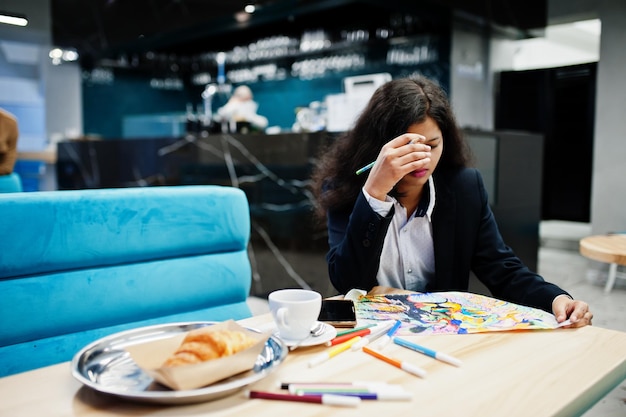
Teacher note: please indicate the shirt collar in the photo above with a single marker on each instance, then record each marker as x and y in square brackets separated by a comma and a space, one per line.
[427, 202]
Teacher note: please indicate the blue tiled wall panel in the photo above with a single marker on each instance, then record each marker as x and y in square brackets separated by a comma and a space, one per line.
[31, 173]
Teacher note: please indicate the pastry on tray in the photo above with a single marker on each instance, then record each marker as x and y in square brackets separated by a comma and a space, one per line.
[201, 345]
[200, 356]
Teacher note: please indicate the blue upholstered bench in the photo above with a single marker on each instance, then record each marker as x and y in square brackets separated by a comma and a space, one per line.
[82, 264]
[10, 183]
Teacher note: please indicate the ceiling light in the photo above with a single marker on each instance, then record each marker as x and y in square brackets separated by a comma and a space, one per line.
[250, 8]
[70, 56]
[55, 53]
[13, 19]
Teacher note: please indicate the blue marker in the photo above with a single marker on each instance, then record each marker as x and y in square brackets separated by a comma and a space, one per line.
[387, 337]
[428, 352]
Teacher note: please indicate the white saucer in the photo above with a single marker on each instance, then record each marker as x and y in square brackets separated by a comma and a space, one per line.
[329, 333]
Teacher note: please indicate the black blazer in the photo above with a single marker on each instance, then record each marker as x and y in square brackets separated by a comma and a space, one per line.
[466, 238]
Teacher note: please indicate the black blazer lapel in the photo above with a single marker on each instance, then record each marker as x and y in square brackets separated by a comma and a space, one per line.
[444, 236]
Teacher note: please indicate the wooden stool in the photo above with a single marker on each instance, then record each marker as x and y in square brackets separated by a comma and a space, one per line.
[606, 248]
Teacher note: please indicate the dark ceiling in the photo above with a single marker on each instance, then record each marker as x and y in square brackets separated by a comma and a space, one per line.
[107, 28]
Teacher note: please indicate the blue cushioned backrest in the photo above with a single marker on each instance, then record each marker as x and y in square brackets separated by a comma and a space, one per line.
[75, 263]
[11, 183]
[67, 302]
[58, 230]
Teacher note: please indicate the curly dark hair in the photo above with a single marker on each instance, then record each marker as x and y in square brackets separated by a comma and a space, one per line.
[393, 107]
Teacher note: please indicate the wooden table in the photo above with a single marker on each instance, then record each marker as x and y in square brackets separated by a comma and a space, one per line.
[523, 373]
[47, 156]
[606, 248]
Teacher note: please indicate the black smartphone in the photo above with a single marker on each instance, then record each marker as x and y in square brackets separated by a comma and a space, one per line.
[338, 313]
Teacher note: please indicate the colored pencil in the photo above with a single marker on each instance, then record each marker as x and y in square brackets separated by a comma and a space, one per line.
[365, 168]
[371, 164]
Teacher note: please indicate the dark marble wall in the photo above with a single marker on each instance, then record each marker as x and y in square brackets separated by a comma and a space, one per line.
[273, 171]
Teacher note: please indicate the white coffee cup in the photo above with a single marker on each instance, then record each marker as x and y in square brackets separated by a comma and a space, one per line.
[295, 311]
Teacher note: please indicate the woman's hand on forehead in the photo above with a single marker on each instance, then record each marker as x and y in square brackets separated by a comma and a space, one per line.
[407, 138]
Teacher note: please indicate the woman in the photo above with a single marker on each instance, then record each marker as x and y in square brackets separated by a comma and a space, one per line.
[420, 218]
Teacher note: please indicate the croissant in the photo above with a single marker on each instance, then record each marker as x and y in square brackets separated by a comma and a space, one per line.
[202, 344]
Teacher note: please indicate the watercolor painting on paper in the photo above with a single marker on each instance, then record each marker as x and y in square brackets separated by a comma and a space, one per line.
[451, 313]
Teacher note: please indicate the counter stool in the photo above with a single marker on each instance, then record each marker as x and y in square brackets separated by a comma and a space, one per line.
[606, 248]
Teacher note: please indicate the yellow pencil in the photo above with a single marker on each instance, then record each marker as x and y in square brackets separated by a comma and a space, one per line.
[323, 357]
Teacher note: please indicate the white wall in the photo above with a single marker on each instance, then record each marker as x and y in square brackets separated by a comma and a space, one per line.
[608, 205]
[471, 81]
[608, 194]
[38, 29]
[23, 58]
[64, 113]
[31, 84]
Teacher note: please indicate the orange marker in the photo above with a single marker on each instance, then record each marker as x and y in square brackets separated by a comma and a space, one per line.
[412, 369]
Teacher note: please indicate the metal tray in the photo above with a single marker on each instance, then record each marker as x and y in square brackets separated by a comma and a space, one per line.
[105, 366]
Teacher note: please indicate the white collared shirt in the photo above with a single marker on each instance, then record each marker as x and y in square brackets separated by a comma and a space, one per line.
[408, 259]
